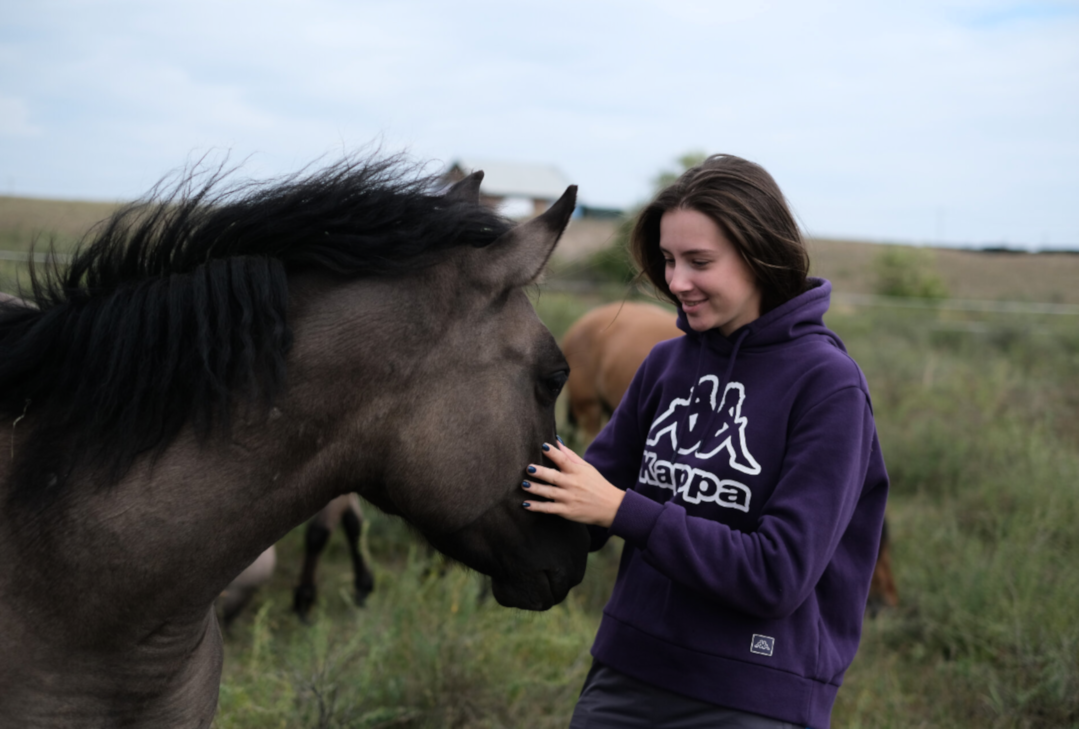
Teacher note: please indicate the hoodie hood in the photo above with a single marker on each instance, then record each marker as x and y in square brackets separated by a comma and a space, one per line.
[802, 316]
[797, 319]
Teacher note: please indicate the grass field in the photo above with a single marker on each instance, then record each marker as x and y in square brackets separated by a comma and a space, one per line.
[979, 421]
[978, 416]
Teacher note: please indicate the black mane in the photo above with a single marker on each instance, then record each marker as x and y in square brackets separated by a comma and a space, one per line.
[179, 302]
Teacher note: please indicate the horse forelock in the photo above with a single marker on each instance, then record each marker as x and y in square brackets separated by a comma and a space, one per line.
[178, 304]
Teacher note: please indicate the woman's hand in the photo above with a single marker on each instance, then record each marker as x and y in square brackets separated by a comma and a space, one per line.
[576, 490]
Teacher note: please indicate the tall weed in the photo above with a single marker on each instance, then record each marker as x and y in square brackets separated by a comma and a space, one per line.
[978, 421]
[985, 496]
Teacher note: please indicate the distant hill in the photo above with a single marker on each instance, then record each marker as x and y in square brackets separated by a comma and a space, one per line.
[849, 265]
[1051, 278]
[24, 219]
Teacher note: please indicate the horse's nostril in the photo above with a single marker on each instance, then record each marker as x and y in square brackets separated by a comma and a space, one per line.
[557, 583]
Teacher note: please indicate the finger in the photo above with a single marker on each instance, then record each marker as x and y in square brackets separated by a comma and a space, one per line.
[571, 455]
[542, 507]
[542, 473]
[542, 490]
[557, 456]
[561, 455]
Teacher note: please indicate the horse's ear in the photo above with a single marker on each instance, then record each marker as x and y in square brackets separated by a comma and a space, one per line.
[518, 256]
[466, 189]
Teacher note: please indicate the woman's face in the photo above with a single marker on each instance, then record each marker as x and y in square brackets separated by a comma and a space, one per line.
[706, 273]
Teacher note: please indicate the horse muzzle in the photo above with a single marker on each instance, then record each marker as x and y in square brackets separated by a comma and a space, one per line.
[533, 560]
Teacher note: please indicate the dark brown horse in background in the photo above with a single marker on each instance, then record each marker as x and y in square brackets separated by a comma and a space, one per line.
[344, 510]
[605, 347]
[211, 369]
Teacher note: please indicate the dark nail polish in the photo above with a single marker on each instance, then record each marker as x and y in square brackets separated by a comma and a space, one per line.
[526, 485]
[545, 447]
[560, 439]
[531, 469]
[525, 505]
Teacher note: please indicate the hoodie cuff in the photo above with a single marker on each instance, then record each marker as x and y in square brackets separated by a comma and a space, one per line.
[636, 518]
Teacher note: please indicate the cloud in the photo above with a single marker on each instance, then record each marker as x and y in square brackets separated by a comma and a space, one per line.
[15, 119]
[873, 117]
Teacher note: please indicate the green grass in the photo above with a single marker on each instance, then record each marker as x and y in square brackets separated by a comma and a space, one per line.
[978, 421]
[430, 649]
[978, 427]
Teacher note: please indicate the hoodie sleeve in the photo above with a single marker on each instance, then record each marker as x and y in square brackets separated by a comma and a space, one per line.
[772, 571]
[615, 452]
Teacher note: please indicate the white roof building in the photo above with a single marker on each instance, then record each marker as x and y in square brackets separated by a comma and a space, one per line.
[515, 189]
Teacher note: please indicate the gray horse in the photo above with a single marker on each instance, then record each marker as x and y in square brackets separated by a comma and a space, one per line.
[217, 364]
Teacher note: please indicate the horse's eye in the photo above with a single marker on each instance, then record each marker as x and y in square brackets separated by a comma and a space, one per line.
[555, 382]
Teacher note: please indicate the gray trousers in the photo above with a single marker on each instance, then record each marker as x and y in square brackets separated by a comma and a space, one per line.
[613, 700]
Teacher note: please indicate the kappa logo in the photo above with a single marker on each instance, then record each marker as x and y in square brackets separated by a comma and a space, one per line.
[726, 432]
[730, 436]
[762, 645]
[694, 484]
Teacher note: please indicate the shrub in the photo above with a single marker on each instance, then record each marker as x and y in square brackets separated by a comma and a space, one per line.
[908, 272]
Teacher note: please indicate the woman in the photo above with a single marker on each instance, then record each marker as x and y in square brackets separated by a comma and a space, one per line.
[743, 471]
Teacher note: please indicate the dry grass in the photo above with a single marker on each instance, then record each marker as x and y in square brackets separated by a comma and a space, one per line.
[585, 237]
[22, 219]
[1038, 277]
[42, 224]
[850, 266]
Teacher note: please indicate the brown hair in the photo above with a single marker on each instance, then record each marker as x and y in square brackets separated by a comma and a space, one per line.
[747, 205]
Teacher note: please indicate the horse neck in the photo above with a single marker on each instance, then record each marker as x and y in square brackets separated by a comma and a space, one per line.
[106, 595]
[182, 523]
[216, 505]
[178, 528]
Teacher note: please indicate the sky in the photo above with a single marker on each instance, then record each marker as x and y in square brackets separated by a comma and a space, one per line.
[945, 122]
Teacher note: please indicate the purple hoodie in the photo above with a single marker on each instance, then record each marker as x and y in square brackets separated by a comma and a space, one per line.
[752, 519]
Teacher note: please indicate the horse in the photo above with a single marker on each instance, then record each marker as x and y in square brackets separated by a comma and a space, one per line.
[882, 589]
[238, 594]
[606, 346]
[214, 365]
[346, 511]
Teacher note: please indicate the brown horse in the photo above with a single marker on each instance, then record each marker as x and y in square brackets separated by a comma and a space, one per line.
[882, 589]
[344, 510]
[214, 367]
[606, 346]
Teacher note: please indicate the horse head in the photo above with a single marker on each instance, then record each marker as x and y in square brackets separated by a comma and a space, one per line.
[454, 384]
